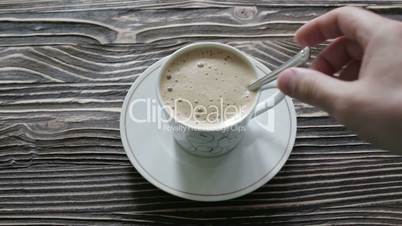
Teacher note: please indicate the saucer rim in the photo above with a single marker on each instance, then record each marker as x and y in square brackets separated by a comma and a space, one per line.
[195, 196]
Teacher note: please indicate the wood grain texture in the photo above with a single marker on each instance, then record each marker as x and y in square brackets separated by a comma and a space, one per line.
[61, 158]
[122, 22]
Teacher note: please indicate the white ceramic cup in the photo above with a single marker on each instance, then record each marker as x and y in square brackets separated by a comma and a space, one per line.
[215, 142]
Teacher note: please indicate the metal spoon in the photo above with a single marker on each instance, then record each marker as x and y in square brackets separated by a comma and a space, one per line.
[297, 60]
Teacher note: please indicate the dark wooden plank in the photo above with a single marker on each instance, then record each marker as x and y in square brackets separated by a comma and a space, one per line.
[153, 22]
[84, 5]
[61, 158]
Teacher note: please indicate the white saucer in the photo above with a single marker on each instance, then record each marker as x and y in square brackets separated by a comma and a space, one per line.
[156, 156]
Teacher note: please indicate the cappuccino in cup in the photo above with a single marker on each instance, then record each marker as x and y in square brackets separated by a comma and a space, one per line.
[206, 88]
[203, 89]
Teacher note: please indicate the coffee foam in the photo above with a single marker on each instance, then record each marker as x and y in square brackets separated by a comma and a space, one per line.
[207, 88]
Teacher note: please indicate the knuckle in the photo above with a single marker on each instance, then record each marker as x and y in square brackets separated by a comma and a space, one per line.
[347, 9]
[307, 90]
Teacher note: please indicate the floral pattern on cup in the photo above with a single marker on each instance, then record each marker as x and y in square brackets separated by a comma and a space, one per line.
[208, 144]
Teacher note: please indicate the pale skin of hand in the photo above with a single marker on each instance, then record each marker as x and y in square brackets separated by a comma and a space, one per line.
[367, 53]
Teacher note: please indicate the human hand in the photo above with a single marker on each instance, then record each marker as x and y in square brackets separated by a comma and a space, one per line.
[366, 96]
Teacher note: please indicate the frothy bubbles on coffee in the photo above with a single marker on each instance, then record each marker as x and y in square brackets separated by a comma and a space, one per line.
[207, 87]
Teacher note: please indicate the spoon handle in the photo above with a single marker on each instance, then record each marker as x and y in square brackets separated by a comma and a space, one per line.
[295, 61]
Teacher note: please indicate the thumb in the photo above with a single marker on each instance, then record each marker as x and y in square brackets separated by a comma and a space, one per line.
[312, 87]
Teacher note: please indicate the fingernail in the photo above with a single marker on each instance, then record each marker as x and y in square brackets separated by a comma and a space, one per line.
[301, 42]
[286, 81]
[298, 41]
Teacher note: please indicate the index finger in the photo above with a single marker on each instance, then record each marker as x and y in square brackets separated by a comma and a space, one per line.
[354, 23]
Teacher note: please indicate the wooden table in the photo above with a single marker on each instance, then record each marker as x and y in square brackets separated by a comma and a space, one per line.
[65, 68]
